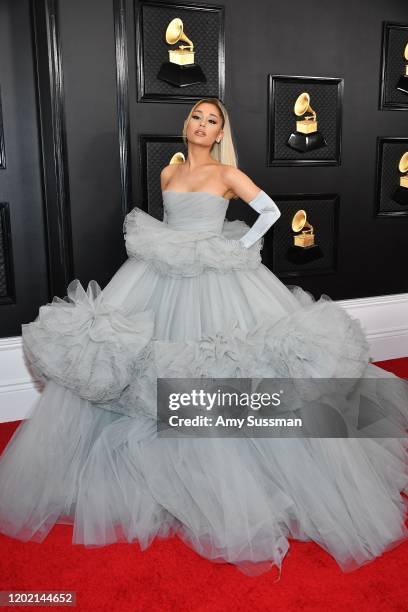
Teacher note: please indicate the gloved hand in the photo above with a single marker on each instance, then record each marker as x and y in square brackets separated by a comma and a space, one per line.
[268, 214]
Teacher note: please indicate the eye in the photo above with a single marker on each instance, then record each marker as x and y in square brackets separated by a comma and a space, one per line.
[213, 121]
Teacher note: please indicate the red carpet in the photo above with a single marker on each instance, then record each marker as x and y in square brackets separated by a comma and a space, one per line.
[170, 576]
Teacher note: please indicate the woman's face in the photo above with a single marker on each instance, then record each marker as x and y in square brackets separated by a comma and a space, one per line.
[205, 125]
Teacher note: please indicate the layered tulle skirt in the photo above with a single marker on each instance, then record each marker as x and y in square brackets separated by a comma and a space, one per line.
[89, 454]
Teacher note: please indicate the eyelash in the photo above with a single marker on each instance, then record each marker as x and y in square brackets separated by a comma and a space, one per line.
[197, 117]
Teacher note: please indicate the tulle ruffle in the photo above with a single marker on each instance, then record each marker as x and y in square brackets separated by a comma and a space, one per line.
[184, 253]
[87, 345]
[114, 359]
[299, 345]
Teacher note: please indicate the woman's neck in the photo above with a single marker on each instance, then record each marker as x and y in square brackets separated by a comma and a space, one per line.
[196, 157]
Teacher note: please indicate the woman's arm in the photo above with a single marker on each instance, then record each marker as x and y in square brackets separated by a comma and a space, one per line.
[246, 189]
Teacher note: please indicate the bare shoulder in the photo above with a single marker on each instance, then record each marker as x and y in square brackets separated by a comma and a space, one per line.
[231, 172]
[239, 183]
[166, 173]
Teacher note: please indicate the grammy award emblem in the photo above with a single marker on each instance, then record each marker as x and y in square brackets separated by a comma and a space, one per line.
[304, 249]
[307, 238]
[177, 158]
[402, 84]
[180, 70]
[306, 137]
[400, 194]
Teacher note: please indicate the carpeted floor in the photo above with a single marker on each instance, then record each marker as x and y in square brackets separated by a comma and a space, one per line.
[170, 576]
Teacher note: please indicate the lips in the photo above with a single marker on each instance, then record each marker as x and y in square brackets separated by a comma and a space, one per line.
[200, 133]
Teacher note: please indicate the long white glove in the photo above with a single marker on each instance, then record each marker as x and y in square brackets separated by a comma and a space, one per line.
[268, 214]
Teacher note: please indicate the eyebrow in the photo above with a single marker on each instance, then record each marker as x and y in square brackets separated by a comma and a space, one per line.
[200, 111]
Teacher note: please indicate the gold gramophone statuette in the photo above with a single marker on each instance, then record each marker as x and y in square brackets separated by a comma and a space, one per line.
[306, 137]
[177, 158]
[402, 84]
[403, 168]
[307, 237]
[400, 194]
[184, 54]
[181, 69]
[302, 107]
[406, 59]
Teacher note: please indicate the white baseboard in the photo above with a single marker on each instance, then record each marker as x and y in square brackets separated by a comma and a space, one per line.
[384, 319]
[18, 391]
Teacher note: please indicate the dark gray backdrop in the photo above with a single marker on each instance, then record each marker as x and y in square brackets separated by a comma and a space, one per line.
[72, 119]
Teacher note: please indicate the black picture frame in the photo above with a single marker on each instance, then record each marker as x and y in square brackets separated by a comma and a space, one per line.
[282, 93]
[7, 282]
[206, 28]
[2, 145]
[155, 152]
[389, 151]
[327, 206]
[393, 34]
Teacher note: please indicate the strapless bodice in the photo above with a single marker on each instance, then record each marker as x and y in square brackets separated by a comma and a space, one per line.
[193, 236]
[194, 210]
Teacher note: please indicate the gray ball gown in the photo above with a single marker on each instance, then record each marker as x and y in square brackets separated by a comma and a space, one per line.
[191, 301]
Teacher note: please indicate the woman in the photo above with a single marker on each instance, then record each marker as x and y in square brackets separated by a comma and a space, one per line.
[194, 300]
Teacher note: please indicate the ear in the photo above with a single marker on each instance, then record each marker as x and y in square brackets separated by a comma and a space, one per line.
[220, 136]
